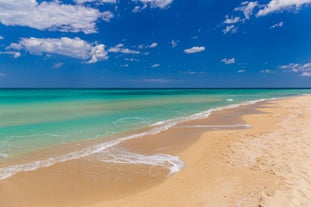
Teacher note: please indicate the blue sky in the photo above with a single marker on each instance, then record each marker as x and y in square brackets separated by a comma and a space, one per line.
[155, 43]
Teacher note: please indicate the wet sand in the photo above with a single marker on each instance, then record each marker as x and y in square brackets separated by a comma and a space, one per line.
[268, 164]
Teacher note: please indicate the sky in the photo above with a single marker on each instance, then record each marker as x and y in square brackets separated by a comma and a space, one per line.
[155, 43]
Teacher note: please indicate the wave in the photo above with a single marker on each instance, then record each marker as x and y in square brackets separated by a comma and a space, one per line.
[173, 163]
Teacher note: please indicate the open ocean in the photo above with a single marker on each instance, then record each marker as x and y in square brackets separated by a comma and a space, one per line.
[35, 119]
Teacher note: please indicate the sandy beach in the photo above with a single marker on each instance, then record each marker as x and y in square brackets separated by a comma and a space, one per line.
[226, 163]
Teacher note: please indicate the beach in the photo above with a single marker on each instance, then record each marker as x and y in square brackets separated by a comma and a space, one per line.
[251, 155]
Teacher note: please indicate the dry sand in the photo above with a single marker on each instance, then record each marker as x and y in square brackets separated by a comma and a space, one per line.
[268, 164]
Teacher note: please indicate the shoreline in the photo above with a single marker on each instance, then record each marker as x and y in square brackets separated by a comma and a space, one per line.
[214, 172]
[79, 149]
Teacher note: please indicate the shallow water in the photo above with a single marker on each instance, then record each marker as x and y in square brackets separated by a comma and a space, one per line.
[34, 119]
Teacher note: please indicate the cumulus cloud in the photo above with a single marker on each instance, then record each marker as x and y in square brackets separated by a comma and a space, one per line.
[241, 71]
[228, 60]
[98, 52]
[51, 16]
[75, 48]
[119, 48]
[279, 5]
[1, 38]
[280, 24]
[195, 49]
[162, 4]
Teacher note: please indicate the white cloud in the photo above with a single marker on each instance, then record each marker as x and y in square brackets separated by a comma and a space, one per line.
[139, 8]
[155, 65]
[58, 65]
[119, 48]
[98, 52]
[16, 54]
[106, 16]
[304, 69]
[241, 71]
[162, 4]
[294, 67]
[247, 8]
[195, 49]
[13, 53]
[51, 16]
[3, 74]
[174, 43]
[95, 1]
[153, 45]
[280, 24]
[75, 48]
[231, 20]
[1, 38]
[266, 71]
[306, 74]
[280, 5]
[230, 28]
[253, 8]
[228, 60]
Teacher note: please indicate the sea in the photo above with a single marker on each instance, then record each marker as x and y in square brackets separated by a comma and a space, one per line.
[36, 119]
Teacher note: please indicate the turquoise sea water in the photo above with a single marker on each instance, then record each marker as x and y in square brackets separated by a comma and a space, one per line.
[34, 119]
[31, 119]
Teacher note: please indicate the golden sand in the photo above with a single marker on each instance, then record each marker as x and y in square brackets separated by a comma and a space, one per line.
[268, 164]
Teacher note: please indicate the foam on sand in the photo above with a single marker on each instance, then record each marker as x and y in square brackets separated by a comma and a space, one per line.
[172, 163]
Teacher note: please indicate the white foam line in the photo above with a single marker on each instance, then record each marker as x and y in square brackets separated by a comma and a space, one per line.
[159, 127]
[173, 163]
